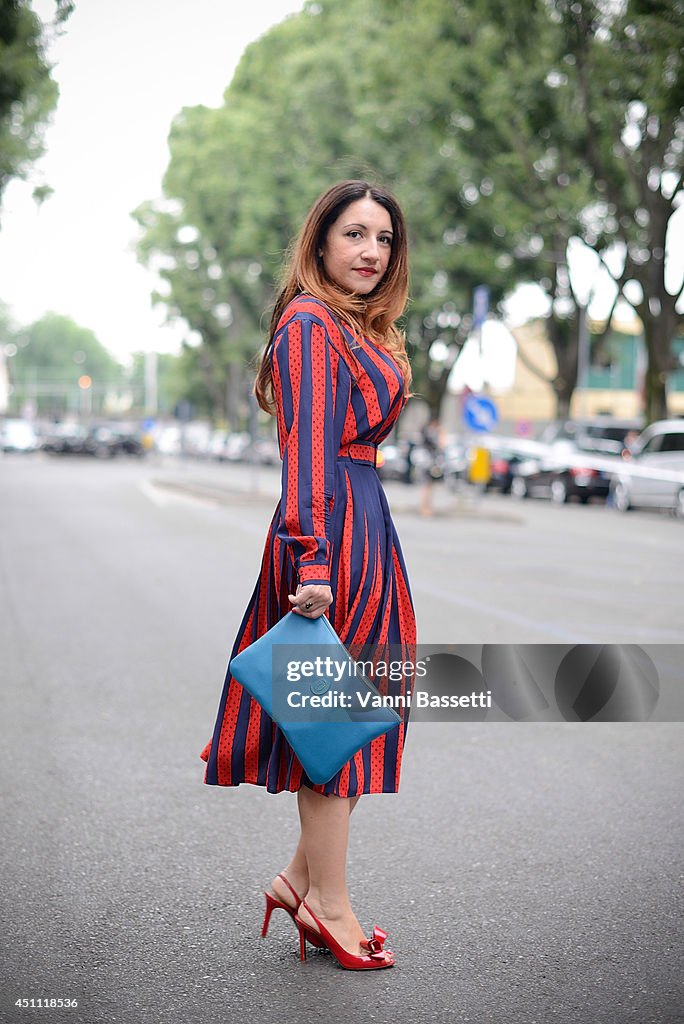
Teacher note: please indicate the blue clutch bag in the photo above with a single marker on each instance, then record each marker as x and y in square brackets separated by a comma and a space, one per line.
[306, 680]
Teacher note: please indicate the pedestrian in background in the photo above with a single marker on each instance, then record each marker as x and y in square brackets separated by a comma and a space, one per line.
[433, 440]
[336, 375]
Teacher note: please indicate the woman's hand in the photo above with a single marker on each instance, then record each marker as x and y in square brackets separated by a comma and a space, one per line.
[311, 599]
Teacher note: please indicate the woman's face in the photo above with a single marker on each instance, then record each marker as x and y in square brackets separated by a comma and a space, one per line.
[357, 249]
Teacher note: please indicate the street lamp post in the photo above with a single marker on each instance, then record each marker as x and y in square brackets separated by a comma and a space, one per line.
[7, 353]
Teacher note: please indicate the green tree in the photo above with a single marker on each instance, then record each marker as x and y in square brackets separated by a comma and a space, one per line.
[485, 141]
[562, 120]
[625, 84]
[28, 93]
[52, 355]
[238, 184]
[297, 115]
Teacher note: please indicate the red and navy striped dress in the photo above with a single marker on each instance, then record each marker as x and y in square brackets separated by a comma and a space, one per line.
[331, 525]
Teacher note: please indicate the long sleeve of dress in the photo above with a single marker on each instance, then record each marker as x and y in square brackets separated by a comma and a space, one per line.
[310, 422]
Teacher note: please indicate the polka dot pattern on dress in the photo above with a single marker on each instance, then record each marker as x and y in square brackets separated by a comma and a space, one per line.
[333, 524]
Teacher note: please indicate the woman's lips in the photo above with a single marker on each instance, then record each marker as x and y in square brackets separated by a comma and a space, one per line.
[365, 271]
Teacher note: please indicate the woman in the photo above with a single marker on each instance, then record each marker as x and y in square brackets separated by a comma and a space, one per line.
[336, 375]
[433, 439]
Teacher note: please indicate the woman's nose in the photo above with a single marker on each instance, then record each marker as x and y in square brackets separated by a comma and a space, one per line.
[371, 249]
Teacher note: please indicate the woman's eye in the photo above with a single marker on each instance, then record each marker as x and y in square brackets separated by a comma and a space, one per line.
[353, 234]
[385, 241]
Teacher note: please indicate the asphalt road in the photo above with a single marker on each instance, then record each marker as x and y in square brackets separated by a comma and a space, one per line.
[526, 873]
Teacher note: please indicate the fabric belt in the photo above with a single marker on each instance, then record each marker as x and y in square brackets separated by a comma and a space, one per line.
[364, 454]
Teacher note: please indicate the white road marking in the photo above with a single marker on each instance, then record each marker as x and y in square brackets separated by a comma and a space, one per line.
[163, 497]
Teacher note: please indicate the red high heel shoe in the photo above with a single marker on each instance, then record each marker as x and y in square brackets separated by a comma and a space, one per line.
[376, 959]
[273, 903]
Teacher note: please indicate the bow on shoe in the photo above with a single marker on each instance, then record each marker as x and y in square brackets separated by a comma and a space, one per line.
[375, 944]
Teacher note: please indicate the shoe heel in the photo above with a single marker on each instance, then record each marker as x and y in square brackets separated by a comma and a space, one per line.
[302, 941]
[271, 905]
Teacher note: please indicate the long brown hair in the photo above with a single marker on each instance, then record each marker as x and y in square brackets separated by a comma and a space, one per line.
[370, 315]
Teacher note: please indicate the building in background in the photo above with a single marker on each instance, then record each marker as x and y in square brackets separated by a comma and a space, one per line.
[614, 381]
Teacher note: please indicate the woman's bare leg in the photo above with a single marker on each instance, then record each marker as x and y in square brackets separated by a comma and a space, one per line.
[325, 836]
[297, 871]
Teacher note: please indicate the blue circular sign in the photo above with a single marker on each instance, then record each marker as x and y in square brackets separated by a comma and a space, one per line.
[480, 413]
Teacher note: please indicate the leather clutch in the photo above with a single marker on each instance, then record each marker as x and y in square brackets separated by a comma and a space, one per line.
[306, 680]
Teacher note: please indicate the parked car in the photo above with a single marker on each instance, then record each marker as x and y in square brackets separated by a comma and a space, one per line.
[502, 470]
[393, 461]
[266, 451]
[130, 441]
[17, 435]
[659, 447]
[65, 438]
[561, 470]
[103, 441]
[603, 434]
[235, 447]
[167, 439]
[454, 463]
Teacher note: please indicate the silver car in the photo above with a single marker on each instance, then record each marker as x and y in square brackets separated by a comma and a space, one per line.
[657, 480]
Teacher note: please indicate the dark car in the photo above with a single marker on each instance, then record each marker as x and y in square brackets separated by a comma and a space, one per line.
[537, 479]
[100, 441]
[604, 435]
[64, 438]
[502, 466]
[394, 461]
[563, 471]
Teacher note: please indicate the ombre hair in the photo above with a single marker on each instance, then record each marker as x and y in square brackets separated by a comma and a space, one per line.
[371, 315]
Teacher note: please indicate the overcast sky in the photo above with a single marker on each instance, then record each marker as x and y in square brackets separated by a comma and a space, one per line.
[124, 68]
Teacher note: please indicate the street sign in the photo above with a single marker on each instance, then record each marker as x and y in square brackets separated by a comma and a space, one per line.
[480, 413]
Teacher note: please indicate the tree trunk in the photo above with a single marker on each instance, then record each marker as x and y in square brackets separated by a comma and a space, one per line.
[657, 309]
[563, 399]
[655, 394]
[564, 338]
[660, 320]
[658, 341]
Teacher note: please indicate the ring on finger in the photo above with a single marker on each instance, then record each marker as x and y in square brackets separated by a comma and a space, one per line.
[309, 604]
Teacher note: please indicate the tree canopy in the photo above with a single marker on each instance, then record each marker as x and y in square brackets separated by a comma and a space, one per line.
[51, 355]
[506, 131]
[28, 92]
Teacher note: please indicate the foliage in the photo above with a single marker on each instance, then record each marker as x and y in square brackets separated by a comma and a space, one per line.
[477, 114]
[241, 178]
[28, 93]
[626, 83]
[52, 354]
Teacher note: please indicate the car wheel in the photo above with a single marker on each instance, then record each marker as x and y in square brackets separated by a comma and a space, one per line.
[621, 497]
[518, 488]
[559, 492]
[679, 507]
